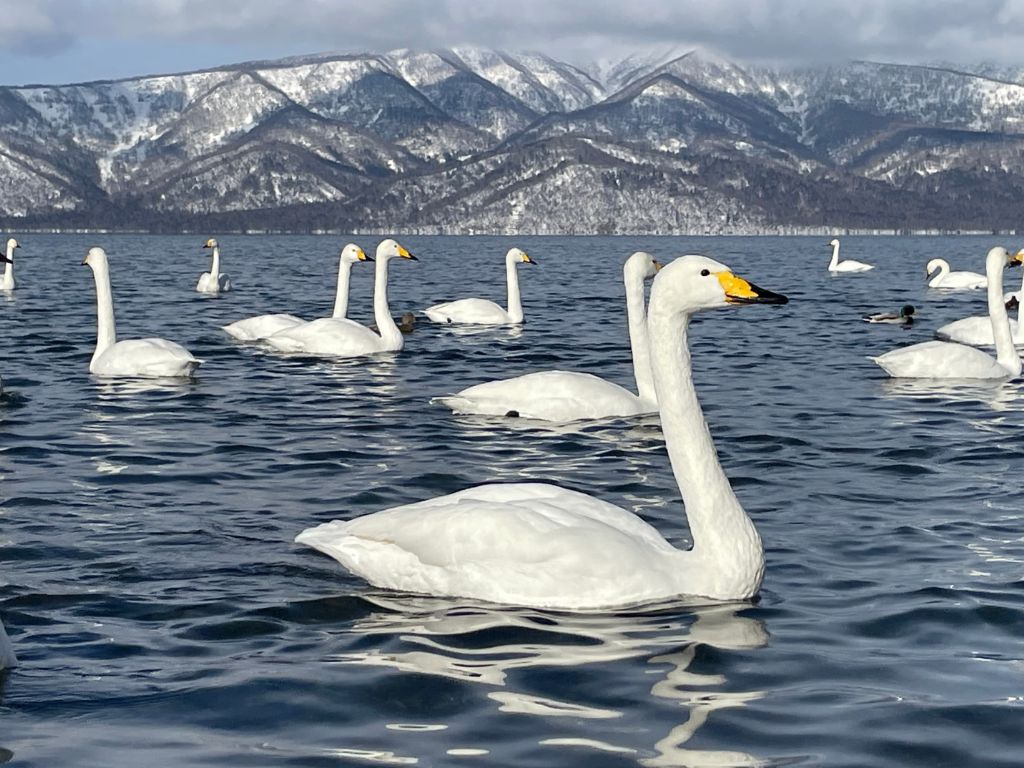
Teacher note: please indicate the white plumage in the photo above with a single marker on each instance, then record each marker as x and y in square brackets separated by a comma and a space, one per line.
[484, 311]
[565, 396]
[540, 545]
[7, 282]
[133, 357]
[952, 281]
[214, 281]
[835, 265]
[338, 337]
[947, 360]
[977, 330]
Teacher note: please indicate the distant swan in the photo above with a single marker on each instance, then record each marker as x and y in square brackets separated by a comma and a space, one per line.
[7, 657]
[132, 357]
[946, 360]
[539, 545]
[977, 330]
[261, 326]
[483, 311]
[845, 266]
[567, 395]
[904, 317]
[955, 281]
[213, 281]
[335, 337]
[8, 259]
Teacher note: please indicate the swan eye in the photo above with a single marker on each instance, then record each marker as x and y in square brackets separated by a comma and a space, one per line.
[705, 272]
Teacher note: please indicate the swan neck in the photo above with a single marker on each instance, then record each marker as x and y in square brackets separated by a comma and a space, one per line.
[835, 257]
[725, 541]
[215, 269]
[1020, 303]
[389, 333]
[106, 331]
[9, 269]
[341, 294]
[639, 344]
[515, 304]
[1006, 353]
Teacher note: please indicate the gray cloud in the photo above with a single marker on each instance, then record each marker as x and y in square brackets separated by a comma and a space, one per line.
[759, 30]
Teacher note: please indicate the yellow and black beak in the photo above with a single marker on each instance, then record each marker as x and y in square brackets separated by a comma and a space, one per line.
[1017, 259]
[528, 260]
[207, 244]
[657, 265]
[405, 254]
[362, 256]
[739, 291]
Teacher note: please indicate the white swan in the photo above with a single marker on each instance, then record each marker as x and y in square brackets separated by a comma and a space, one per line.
[946, 360]
[261, 326]
[132, 357]
[954, 281]
[977, 330]
[567, 395]
[7, 657]
[337, 337]
[540, 545]
[213, 281]
[845, 266]
[8, 260]
[483, 311]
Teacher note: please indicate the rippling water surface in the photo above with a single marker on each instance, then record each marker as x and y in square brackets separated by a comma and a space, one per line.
[163, 616]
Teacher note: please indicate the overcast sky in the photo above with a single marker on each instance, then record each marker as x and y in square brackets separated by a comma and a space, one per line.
[58, 41]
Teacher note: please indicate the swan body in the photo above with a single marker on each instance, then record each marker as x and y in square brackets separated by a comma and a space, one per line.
[7, 657]
[261, 326]
[214, 281]
[952, 281]
[133, 357]
[569, 396]
[7, 282]
[904, 317]
[339, 337]
[977, 330]
[946, 360]
[835, 265]
[541, 545]
[483, 311]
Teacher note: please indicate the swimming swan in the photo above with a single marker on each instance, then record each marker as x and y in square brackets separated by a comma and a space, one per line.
[8, 259]
[213, 281]
[568, 395]
[261, 326]
[483, 311]
[132, 357]
[539, 545]
[336, 337]
[946, 360]
[7, 657]
[977, 330]
[955, 281]
[845, 266]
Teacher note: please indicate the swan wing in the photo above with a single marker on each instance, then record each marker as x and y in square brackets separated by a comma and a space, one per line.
[477, 311]
[550, 396]
[224, 282]
[852, 266]
[525, 543]
[327, 336]
[963, 280]
[145, 357]
[261, 326]
[976, 331]
[206, 283]
[940, 360]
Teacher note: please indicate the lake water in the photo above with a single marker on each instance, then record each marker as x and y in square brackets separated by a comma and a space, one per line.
[163, 615]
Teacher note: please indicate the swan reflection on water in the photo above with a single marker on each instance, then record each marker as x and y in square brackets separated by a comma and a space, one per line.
[440, 634]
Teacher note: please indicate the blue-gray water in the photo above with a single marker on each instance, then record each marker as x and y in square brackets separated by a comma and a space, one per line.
[163, 616]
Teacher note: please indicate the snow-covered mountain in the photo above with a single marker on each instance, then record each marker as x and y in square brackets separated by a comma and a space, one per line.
[472, 140]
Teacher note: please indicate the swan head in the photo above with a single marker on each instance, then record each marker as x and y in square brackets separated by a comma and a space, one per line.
[695, 283]
[389, 249]
[353, 254]
[211, 243]
[643, 264]
[833, 242]
[998, 258]
[95, 258]
[12, 244]
[518, 256]
[934, 264]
